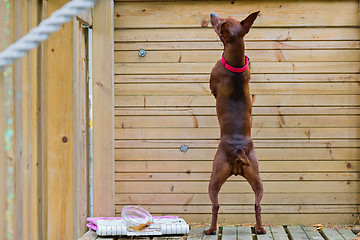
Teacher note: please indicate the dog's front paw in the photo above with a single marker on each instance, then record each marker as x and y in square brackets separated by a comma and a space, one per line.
[210, 232]
[260, 231]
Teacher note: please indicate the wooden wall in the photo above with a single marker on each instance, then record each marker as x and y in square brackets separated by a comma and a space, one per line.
[43, 128]
[305, 60]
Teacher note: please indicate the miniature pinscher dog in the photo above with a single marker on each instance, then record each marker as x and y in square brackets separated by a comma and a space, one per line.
[229, 83]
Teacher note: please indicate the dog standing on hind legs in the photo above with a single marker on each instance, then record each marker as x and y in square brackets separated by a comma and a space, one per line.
[229, 83]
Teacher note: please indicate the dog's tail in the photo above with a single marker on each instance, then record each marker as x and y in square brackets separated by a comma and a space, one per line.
[240, 160]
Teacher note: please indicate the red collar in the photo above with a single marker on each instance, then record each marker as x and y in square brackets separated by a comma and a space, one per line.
[235, 69]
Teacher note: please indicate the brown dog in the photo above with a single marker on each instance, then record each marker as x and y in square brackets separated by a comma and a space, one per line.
[229, 83]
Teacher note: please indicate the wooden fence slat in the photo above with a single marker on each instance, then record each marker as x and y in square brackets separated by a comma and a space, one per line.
[243, 198]
[346, 233]
[196, 56]
[256, 67]
[258, 100]
[312, 233]
[257, 133]
[255, 78]
[332, 234]
[249, 45]
[256, 111]
[263, 34]
[297, 233]
[242, 187]
[169, 89]
[208, 144]
[278, 233]
[265, 176]
[263, 154]
[103, 110]
[256, 121]
[206, 166]
[249, 208]
[191, 14]
[58, 130]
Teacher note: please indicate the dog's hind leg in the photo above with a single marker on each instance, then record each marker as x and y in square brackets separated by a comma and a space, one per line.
[251, 173]
[221, 171]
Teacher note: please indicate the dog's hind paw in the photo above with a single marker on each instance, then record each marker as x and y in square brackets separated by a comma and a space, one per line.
[210, 232]
[261, 231]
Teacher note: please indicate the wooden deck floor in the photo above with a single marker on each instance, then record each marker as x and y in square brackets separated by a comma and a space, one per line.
[247, 233]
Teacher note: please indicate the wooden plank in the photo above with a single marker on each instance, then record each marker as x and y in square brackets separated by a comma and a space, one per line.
[206, 166]
[258, 100]
[265, 176]
[332, 234]
[263, 154]
[346, 233]
[207, 34]
[280, 218]
[242, 187]
[81, 121]
[167, 89]
[89, 235]
[229, 233]
[256, 111]
[297, 233]
[255, 78]
[312, 233]
[193, 144]
[244, 233]
[278, 233]
[256, 67]
[257, 133]
[249, 45]
[195, 56]
[256, 121]
[246, 198]
[103, 110]
[191, 14]
[3, 164]
[86, 18]
[240, 209]
[36, 131]
[267, 236]
[195, 233]
[58, 129]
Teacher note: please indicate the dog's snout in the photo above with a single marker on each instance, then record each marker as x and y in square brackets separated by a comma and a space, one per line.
[212, 14]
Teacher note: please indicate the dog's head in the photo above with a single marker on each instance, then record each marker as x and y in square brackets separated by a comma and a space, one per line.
[229, 29]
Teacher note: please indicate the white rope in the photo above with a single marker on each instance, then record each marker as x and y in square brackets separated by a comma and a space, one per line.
[42, 32]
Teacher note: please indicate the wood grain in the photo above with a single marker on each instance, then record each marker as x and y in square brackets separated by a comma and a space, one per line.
[305, 95]
[103, 110]
[273, 13]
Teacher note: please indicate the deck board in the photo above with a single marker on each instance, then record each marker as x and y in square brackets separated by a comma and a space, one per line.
[312, 233]
[279, 233]
[196, 233]
[229, 233]
[297, 233]
[267, 236]
[346, 233]
[244, 233]
[332, 234]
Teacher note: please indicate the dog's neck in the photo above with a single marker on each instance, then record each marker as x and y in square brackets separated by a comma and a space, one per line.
[235, 54]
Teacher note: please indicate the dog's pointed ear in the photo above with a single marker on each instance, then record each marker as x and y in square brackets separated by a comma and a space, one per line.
[225, 32]
[248, 22]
